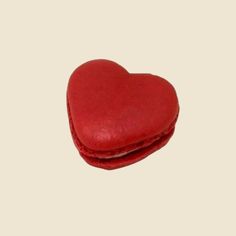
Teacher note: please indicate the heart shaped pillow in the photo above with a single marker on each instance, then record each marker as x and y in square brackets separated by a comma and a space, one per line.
[118, 118]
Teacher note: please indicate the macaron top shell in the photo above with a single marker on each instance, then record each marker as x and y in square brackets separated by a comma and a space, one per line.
[111, 108]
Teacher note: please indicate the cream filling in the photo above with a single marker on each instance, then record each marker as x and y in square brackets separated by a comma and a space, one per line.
[120, 154]
[127, 152]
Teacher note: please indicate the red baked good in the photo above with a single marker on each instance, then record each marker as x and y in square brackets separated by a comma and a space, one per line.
[118, 118]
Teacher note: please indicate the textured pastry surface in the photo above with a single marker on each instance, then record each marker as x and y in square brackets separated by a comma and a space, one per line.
[118, 118]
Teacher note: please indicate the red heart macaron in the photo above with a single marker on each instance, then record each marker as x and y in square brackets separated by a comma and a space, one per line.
[118, 118]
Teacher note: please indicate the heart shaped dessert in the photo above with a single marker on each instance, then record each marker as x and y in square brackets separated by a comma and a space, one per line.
[118, 118]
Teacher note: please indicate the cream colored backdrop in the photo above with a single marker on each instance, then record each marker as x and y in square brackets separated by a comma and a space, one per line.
[187, 188]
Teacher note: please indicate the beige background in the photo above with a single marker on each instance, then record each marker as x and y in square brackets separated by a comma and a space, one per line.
[187, 188]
